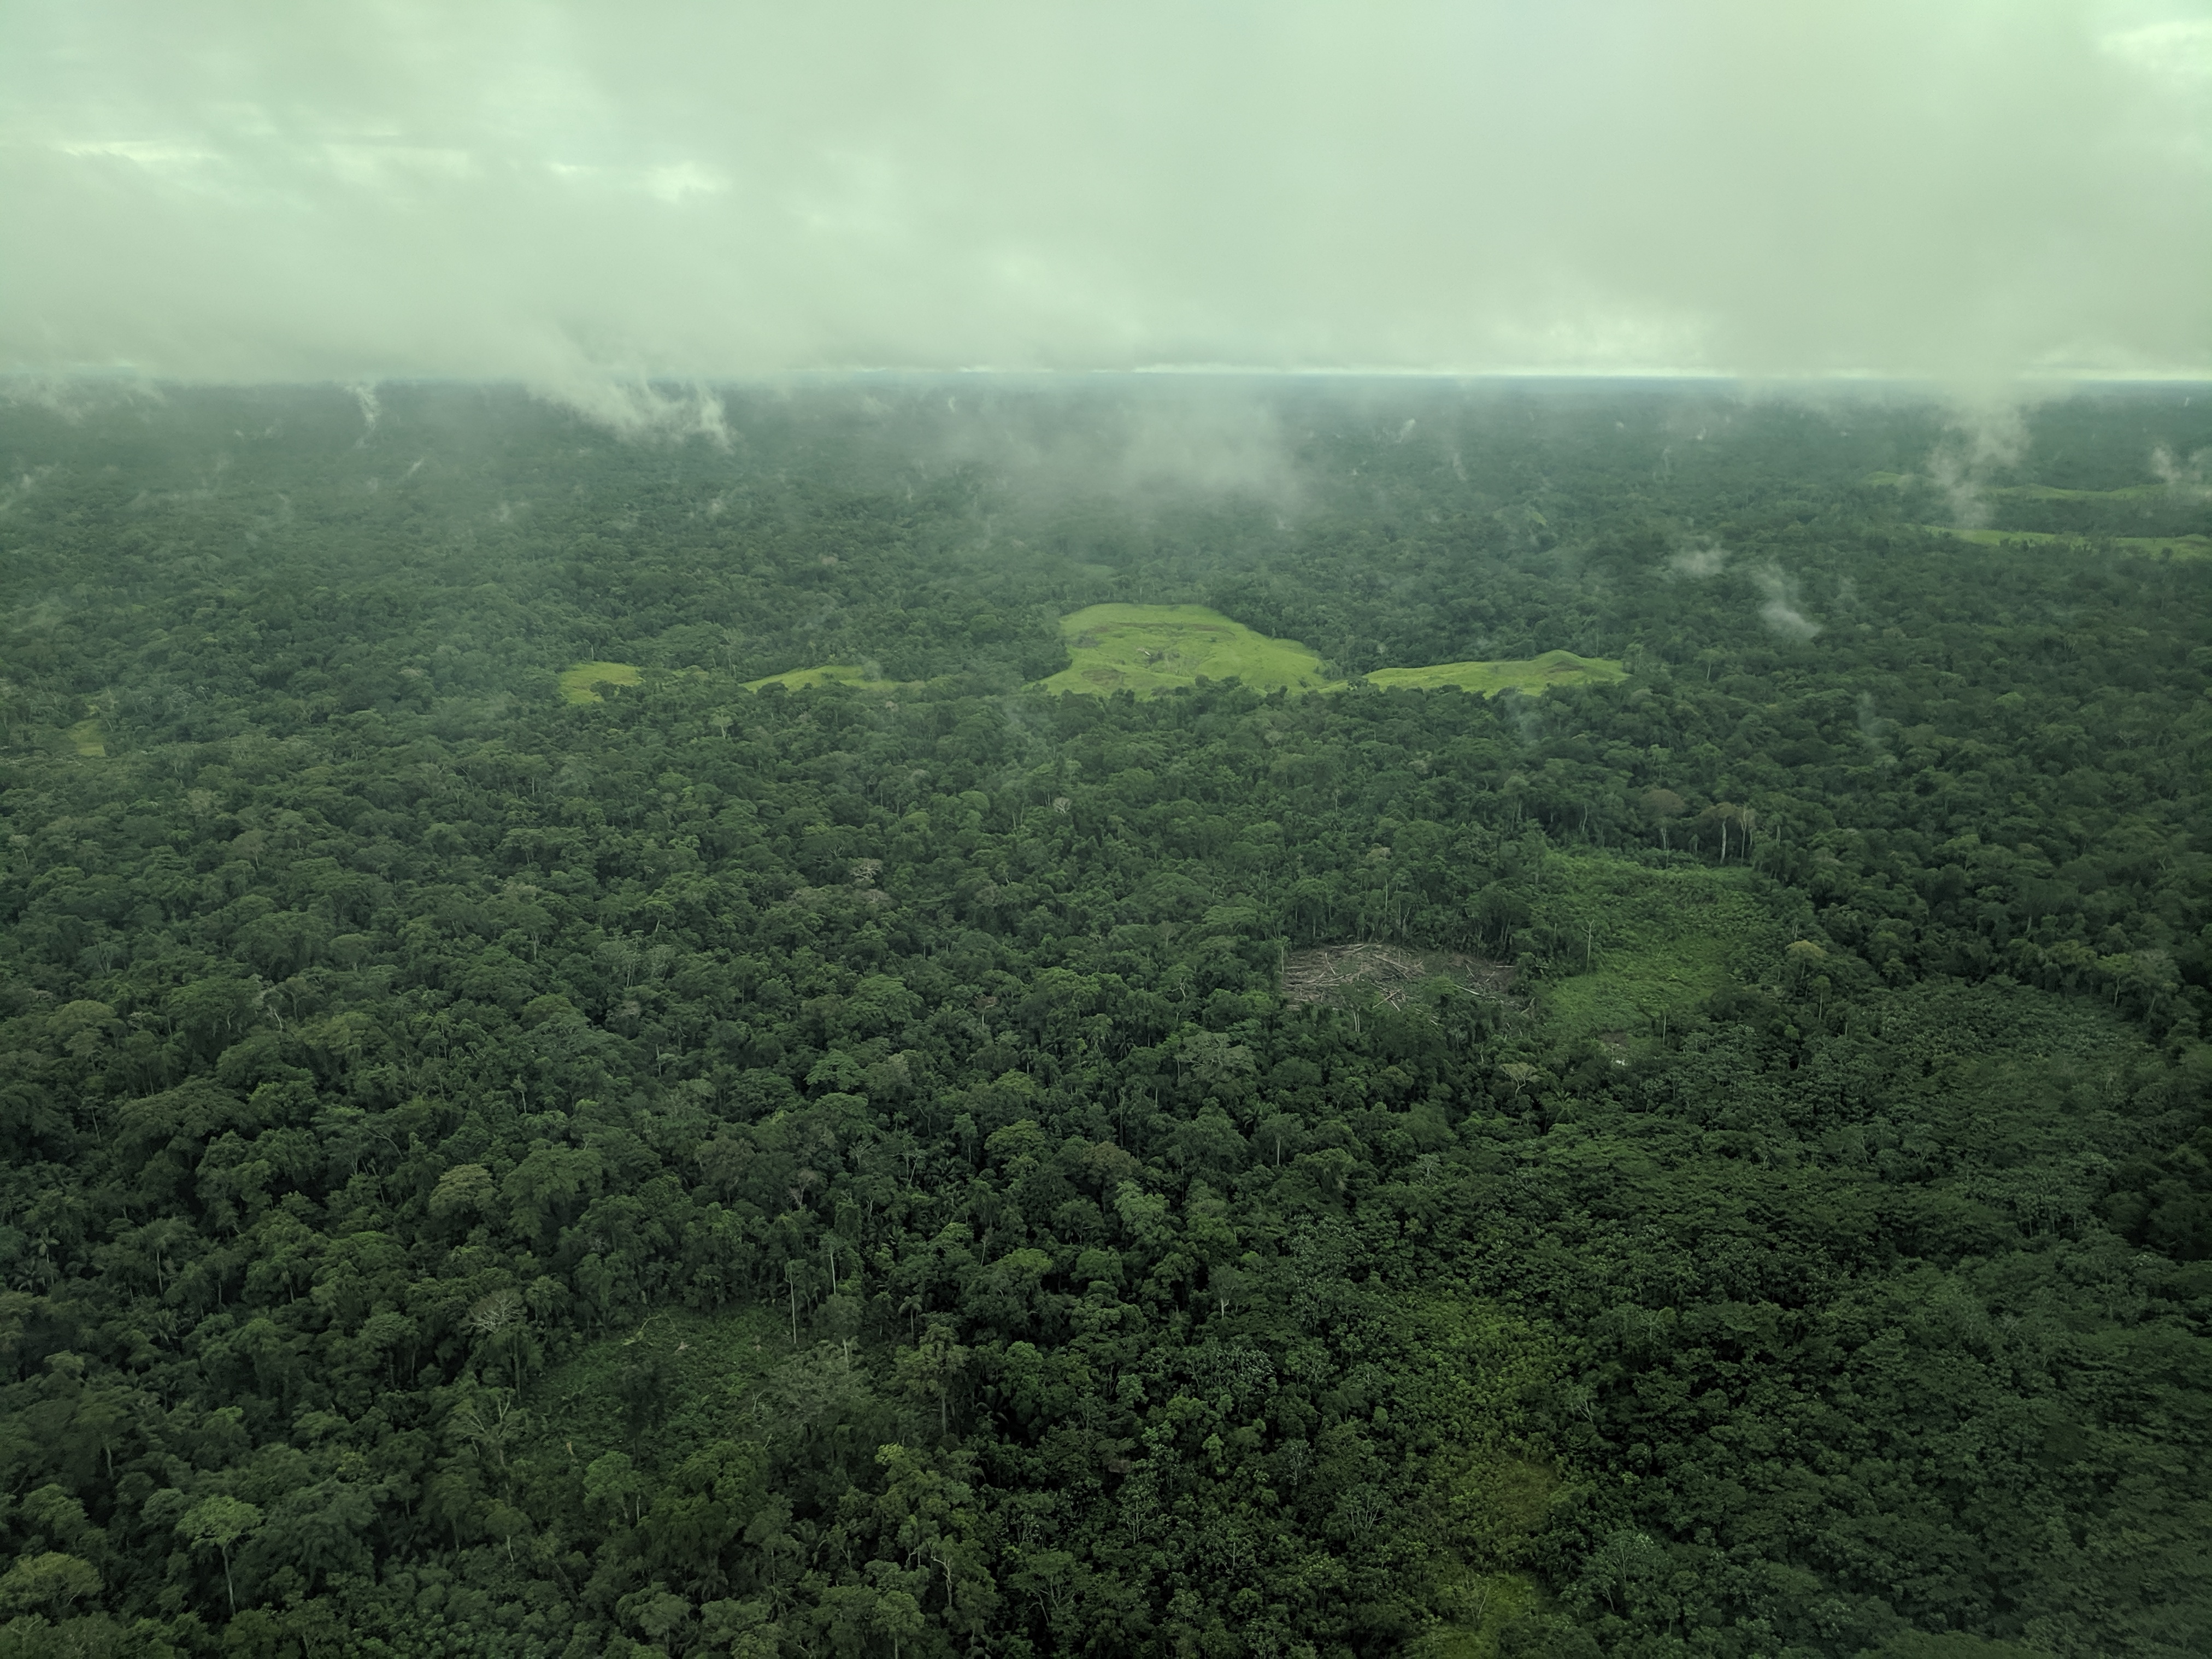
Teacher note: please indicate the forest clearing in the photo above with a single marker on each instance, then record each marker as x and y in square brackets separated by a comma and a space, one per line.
[580, 683]
[834, 673]
[1394, 975]
[1487, 679]
[1151, 649]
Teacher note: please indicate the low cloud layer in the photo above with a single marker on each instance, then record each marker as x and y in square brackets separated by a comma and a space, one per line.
[591, 198]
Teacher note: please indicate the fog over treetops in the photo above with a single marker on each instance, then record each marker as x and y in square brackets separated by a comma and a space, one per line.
[582, 197]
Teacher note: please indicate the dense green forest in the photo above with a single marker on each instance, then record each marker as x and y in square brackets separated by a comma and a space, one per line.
[1713, 1163]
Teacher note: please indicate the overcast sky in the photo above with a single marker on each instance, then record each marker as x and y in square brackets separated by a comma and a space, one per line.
[578, 194]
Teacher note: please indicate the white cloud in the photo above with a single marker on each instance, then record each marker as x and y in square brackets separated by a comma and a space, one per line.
[386, 166]
[672, 183]
[2177, 50]
[639, 408]
[138, 152]
[577, 195]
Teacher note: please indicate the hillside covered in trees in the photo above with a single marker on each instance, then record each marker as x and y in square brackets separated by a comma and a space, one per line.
[1712, 1162]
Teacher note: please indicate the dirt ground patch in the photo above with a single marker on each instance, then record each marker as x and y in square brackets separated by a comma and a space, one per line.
[1332, 973]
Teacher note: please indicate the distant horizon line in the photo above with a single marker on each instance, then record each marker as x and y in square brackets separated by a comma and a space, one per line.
[2080, 377]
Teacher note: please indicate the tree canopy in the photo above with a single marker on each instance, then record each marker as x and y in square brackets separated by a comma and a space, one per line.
[867, 1168]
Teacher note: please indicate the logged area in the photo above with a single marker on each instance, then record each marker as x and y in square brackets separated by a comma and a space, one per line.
[1392, 975]
[595, 1060]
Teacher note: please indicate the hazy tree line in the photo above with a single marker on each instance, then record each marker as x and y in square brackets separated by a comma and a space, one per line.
[720, 1173]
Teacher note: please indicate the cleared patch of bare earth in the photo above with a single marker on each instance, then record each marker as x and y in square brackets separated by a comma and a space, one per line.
[1393, 973]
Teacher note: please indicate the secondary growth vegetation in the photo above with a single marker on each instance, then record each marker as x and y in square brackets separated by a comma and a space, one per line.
[1712, 1159]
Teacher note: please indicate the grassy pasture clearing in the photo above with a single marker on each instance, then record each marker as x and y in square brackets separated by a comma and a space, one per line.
[88, 739]
[1151, 648]
[1658, 942]
[1530, 675]
[2141, 492]
[580, 683]
[2053, 492]
[1148, 649]
[2180, 547]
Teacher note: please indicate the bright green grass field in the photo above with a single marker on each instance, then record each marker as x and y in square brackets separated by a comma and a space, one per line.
[833, 673]
[87, 738]
[1659, 941]
[2033, 492]
[1147, 649]
[1488, 678]
[2181, 547]
[581, 682]
[2053, 492]
[1151, 649]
